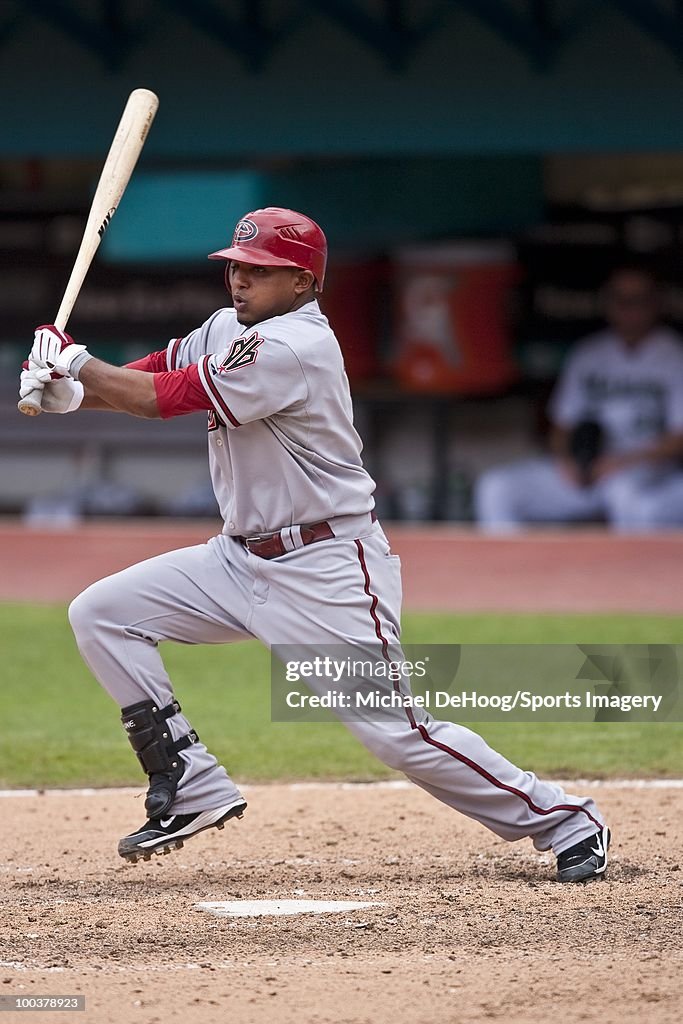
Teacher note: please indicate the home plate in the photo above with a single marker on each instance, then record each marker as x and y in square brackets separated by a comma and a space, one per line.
[276, 908]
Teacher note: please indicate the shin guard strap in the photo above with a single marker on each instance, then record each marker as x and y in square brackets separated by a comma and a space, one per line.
[145, 724]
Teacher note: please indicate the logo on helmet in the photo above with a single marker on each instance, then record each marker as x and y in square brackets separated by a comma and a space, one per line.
[244, 232]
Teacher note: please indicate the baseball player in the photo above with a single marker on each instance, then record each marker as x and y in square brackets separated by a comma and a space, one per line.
[301, 560]
[625, 386]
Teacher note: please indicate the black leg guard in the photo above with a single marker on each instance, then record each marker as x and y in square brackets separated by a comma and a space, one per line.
[149, 737]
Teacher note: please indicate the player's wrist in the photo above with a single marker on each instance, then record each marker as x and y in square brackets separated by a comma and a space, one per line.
[78, 360]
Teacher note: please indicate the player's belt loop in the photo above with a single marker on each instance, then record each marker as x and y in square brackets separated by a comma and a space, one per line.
[292, 538]
[287, 538]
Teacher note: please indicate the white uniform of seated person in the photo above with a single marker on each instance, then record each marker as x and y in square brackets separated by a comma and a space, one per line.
[629, 380]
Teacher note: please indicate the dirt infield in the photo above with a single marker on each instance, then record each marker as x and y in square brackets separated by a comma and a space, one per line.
[466, 928]
[444, 568]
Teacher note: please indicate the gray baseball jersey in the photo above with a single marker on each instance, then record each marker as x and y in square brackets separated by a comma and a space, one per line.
[282, 446]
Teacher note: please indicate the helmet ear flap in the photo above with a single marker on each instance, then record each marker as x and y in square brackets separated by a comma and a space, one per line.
[226, 277]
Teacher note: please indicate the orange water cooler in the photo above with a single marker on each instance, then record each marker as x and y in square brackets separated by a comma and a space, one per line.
[452, 324]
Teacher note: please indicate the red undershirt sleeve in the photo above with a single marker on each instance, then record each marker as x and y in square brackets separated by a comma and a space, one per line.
[155, 362]
[179, 392]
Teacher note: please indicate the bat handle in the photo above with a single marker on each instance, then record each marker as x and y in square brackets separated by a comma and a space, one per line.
[30, 404]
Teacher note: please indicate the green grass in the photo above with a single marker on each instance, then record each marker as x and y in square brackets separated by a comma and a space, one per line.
[60, 729]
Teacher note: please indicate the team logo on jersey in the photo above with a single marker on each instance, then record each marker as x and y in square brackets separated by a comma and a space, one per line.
[245, 231]
[243, 352]
[214, 423]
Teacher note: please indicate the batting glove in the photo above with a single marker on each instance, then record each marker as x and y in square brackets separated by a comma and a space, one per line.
[57, 351]
[60, 395]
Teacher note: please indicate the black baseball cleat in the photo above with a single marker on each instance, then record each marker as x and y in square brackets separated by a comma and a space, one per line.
[162, 835]
[585, 860]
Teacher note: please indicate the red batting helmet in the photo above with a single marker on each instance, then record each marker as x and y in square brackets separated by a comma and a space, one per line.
[278, 238]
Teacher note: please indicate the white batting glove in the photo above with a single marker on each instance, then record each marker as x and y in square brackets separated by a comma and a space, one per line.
[33, 378]
[61, 395]
[55, 350]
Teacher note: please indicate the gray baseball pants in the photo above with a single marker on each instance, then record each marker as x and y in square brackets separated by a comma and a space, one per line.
[341, 591]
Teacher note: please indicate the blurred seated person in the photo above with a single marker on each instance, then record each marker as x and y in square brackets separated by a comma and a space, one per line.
[617, 427]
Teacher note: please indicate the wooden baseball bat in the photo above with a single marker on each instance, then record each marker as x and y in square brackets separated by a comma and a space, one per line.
[125, 149]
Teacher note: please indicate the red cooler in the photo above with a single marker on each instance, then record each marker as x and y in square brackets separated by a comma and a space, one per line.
[355, 300]
[452, 326]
